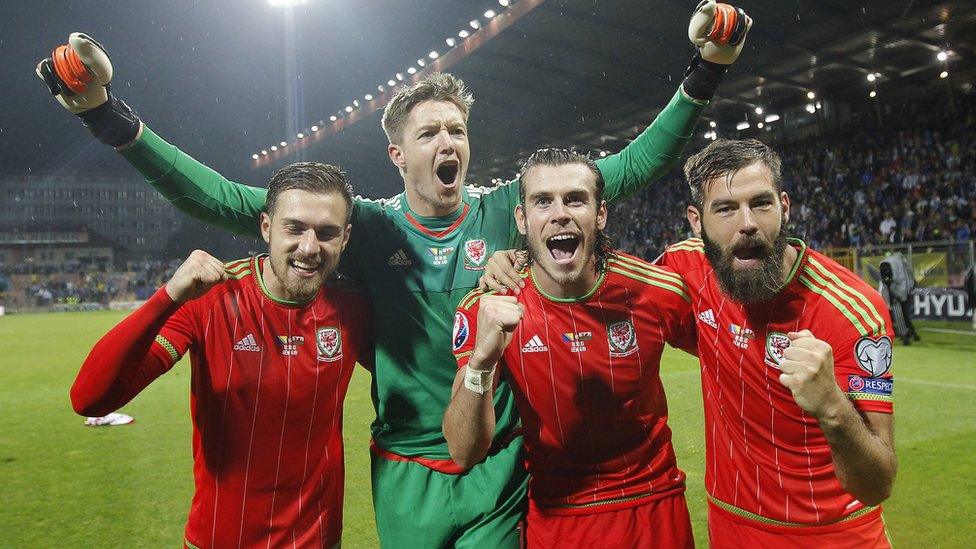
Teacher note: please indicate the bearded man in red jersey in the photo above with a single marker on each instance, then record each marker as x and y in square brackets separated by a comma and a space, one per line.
[273, 340]
[796, 355]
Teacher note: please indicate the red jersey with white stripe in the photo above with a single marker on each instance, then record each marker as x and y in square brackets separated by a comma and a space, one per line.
[766, 459]
[267, 382]
[585, 373]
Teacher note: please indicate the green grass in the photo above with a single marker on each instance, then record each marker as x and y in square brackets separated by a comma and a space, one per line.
[66, 485]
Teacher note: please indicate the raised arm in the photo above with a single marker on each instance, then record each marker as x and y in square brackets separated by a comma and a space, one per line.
[861, 442]
[719, 32]
[78, 75]
[469, 422]
[126, 360]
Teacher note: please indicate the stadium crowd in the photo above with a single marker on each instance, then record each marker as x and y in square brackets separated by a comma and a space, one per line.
[911, 179]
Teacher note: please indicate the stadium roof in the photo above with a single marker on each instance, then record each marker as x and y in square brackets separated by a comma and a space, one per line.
[567, 73]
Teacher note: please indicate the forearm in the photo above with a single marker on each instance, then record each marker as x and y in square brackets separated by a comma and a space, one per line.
[121, 364]
[655, 151]
[193, 187]
[864, 462]
[469, 423]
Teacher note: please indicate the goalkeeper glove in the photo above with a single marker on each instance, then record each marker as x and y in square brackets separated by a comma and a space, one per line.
[78, 75]
[719, 32]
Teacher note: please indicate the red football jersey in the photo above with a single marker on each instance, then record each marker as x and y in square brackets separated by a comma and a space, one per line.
[585, 373]
[765, 458]
[267, 382]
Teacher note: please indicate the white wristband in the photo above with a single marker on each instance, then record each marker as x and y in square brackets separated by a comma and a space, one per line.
[478, 381]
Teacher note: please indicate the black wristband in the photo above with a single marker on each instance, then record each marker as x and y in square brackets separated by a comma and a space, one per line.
[703, 77]
[112, 122]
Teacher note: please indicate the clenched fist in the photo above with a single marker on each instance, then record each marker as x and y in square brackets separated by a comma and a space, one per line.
[498, 316]
[808, 372]
[200, 272]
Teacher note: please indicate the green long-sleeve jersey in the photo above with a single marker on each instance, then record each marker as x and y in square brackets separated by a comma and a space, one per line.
[416, 268]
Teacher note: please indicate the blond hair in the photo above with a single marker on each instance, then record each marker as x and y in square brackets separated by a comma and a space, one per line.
[439, 86]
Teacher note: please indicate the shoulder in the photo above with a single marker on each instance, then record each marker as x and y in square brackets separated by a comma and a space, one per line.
[469, 302]
[376, 206]
[859, 308]
[633, 271]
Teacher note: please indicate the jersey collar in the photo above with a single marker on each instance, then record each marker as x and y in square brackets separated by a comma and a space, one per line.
[589, 293]
[259, 277]
[436, 227]
[801, 257]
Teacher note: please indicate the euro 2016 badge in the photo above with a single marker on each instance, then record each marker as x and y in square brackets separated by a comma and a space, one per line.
[461, 330]
[329, 343]
[475, 254]
[623, 338]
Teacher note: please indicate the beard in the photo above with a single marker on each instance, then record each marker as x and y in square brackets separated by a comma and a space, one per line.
[751, 285]
[299, 288]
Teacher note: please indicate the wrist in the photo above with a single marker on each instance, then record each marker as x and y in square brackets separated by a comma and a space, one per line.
[479, 381]
[480, 362]
[834, 410]
[702, 78]
[173, 294]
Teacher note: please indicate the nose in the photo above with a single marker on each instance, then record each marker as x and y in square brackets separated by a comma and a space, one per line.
[560, 215]
[309, 243]
[445, 143]
[748, 226]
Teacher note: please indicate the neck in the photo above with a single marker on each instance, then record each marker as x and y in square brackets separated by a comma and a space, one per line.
[573, 289]
[426, 208]
[789, 259]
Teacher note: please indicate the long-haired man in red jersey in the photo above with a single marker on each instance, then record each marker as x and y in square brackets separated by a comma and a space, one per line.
[273, 341]
[795, 355]
[581, 346]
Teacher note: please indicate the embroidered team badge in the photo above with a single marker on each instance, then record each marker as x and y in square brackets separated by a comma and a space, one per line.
[776, 344]
[623, 338]
[873, 355]
[461, 331]
[440, 256]
[741, 336]
[329, 343]
[475, 254]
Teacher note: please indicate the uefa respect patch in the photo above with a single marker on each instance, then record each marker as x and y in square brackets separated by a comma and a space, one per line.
[869, 388]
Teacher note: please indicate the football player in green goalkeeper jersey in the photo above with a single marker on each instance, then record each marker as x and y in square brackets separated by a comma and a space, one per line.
[418, 253]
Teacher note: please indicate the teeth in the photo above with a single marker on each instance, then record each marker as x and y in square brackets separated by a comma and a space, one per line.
[306, 266]
[563, 237]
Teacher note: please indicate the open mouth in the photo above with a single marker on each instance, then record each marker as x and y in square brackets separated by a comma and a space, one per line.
[749, 255]
[563, 247]
[304, 268]
[448, 172]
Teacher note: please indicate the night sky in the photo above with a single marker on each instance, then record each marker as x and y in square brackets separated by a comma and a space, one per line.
[208, 75]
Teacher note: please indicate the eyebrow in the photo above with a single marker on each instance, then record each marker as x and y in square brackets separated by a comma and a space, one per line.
[299, 222]
[719, 202]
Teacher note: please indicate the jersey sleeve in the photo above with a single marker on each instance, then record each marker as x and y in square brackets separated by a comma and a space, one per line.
[194, 188]
[655, 151]
[142, 347]
[682, 331]
[465, 325]
[862, 367]
[499, 204]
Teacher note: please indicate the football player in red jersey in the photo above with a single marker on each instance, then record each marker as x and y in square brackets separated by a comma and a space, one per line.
[273, 341]
[581, 347]
[795, 353]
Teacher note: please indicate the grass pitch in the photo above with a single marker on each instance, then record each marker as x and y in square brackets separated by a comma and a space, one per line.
[65, 485]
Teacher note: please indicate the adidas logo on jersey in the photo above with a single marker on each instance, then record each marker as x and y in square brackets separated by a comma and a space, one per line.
[248, 343]
[399, 259]
[708, 317]
[534, 345]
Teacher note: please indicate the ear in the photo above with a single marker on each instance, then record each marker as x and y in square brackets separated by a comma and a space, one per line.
[266, 227]
[601, 215]
[345, 237]
[520, 219]
[396, 156]
[784, 200]
[694, 219]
